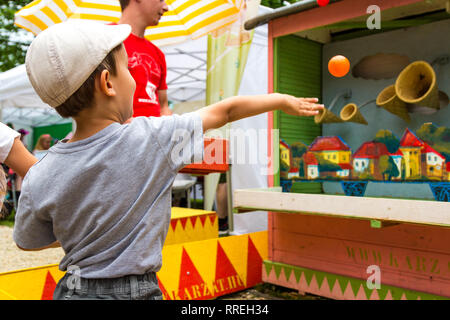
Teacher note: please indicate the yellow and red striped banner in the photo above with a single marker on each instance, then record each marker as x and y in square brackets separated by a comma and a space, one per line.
[196, 270]
[186, 19]
[191, 225]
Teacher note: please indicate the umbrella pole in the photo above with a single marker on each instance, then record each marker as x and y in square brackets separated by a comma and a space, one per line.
[229, 201]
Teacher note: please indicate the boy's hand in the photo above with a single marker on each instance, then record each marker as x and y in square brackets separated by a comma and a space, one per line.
[300, 106]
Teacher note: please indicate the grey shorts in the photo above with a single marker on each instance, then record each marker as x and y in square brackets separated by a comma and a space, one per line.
[133, 287]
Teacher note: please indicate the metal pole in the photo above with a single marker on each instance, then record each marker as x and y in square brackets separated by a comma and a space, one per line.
[229, 201]
[13, 191]
[347, 94]
[367, 103]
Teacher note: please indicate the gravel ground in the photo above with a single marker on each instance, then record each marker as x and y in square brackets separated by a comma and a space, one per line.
[267, 291]
[12, 258]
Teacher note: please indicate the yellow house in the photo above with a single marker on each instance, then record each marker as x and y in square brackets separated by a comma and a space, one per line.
[285, 153]
[335, 156]
[332, 149]
[412, 161]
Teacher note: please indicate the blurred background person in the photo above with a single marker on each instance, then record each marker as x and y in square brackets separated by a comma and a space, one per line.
[43, 144]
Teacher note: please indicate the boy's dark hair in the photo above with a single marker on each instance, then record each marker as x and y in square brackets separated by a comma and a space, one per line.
[124, 4]
[83, 97]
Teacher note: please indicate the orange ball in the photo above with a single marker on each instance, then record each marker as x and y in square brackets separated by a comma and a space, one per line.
[339, 66]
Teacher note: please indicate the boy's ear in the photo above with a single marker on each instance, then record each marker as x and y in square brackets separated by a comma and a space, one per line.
[105, 83]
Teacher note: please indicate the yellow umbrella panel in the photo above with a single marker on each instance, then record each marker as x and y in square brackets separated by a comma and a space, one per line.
[186, 19]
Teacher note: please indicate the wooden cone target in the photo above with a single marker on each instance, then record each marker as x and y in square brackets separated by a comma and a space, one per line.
[416, 84]
[326, 116]
[388, 100]
[351, 113]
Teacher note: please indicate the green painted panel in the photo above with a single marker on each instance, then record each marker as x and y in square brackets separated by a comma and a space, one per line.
[343, 282]
[297, 71]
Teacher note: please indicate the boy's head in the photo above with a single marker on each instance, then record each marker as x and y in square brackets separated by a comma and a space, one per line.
[65, 61]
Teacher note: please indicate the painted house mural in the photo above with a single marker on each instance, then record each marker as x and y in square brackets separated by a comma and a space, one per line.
[333, 157]
[421, 156]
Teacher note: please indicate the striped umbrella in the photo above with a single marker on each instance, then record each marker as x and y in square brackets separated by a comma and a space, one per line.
[186, 19]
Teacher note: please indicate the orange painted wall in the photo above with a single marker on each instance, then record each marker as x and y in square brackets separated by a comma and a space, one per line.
[409, 256]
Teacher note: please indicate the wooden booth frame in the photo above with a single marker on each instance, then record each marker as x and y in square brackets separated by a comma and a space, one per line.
[336, 246]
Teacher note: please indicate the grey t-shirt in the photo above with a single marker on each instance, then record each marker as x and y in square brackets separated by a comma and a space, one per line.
[107, 198]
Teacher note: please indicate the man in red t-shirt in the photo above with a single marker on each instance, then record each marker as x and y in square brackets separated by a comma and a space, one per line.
[146, 62]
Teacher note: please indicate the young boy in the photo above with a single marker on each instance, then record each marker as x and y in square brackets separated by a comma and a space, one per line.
[104, 195]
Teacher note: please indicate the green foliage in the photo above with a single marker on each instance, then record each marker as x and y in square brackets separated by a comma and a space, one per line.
[284, 167]
[276, 3]
[388, 168]
[365, 175]
[298, 149]
[326, 165]
[389, 139]
[12, 47]
[426, 132]
[437, 137]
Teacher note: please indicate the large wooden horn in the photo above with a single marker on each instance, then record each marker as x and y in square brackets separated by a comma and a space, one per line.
[388, 100]
[326, 116]
[416, 84]
[351, 113]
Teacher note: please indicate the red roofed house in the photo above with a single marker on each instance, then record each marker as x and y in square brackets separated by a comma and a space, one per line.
[311, 165]
[433, 164]
[411, 146]
[334, 150]
[420, 158]
[447, 167]
[366, 159]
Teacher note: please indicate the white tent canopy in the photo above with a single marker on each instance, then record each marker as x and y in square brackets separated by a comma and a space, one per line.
[20, 104]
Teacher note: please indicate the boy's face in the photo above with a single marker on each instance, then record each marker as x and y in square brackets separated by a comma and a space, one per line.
[124, 84]
[153, 10]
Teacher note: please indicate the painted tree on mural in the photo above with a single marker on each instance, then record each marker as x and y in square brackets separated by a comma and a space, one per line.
[437, 137]
[298, 149]
[389, 139]
[388, 168]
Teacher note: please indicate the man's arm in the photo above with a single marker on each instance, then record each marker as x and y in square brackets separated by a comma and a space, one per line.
[238, 107]
[19, 158]
[164, 103]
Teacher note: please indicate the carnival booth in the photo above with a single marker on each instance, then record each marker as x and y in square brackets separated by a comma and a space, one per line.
[359, 195]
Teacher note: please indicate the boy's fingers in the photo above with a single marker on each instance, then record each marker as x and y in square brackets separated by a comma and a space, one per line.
[311, 100]
[314, 106]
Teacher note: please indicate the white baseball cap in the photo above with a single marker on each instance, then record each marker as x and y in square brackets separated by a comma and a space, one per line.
[62, 57]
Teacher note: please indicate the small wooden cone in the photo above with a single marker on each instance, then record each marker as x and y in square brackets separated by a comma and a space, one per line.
[416, 84]
[388, 100]
[351, 113]
[326, 116]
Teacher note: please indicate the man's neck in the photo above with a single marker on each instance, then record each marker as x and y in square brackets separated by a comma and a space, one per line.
[138, 26]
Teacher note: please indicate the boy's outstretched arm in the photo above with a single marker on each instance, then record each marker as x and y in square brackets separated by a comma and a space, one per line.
[235, 108]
